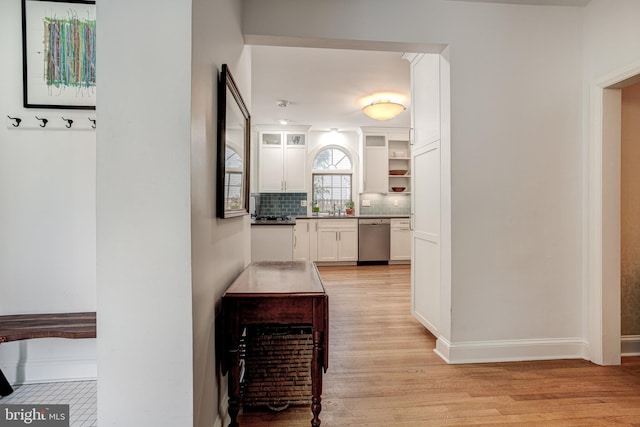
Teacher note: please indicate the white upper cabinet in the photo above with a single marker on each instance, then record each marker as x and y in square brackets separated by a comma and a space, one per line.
[425, 99]
[375, 163]
[386, 160]
[282, 161]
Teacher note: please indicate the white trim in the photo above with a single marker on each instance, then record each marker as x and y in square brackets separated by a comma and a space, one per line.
[430, 326]
[630, 345]
[54, 370]
[604, 314]
[511, 350]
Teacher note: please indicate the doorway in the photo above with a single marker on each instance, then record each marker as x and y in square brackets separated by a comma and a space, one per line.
[603, 227]
[630, 221]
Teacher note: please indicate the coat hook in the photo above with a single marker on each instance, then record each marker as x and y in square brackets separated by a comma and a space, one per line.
[93, 121]
[69, 122]
[44, 122]
[17, 121]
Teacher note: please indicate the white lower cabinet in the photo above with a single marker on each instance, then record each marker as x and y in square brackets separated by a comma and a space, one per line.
[271, 243]
[302, 240]
[400, 240]
[305, 240]
[337, 240]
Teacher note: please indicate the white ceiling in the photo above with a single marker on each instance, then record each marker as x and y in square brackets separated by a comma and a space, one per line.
[326, 88]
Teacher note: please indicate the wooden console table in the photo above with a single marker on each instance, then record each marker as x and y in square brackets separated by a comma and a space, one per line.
[276, 293]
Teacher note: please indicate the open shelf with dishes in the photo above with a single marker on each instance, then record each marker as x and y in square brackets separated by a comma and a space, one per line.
[399, 158]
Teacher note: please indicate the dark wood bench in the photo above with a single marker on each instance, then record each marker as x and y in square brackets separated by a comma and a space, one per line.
[27, 326]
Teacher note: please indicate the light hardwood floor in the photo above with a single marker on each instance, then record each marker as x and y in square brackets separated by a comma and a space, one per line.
[383, 372]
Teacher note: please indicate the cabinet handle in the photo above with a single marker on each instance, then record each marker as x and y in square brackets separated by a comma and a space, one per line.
[411, 225]
[295, 241]
[307, 227]
[412, 136]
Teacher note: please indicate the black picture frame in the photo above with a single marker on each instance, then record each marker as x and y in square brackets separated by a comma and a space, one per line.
[234, 143]
[53, 78]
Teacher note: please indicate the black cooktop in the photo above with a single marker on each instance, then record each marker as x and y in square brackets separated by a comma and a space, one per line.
[273, 218]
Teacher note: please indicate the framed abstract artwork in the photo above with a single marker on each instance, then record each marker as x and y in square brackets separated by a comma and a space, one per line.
[59, 54]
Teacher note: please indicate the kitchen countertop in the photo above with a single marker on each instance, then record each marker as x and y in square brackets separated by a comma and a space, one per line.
[352, 216]
[273, 222]
[292, 221]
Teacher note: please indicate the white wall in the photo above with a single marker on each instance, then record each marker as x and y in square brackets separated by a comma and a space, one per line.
[159, 242]
[517, 158]
[47, 222]
[145, 333]
[220, 247]
[611, 37]
[158, 286]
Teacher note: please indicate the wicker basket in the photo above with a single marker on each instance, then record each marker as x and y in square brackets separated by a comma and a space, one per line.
[277, 363]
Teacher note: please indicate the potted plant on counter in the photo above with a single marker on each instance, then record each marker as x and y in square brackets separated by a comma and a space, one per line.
[348, 207]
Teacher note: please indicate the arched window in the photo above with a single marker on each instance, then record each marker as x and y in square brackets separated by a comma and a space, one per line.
[331, 175]
[233, 179]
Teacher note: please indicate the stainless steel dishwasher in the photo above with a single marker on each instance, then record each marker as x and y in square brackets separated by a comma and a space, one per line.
[373, 239]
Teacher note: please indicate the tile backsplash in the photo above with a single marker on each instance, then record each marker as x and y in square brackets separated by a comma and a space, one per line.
[289, 204]
[383, 204]
[280, 204]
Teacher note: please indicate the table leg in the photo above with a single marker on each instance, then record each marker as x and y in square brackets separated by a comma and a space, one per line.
[316, 377]
[5, 387]
[233, 363]
[234, 384]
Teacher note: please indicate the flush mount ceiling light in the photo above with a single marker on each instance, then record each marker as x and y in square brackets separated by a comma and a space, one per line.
[383, 109]
[282, 103]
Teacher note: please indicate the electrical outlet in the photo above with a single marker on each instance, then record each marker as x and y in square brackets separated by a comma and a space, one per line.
[395, 203]
[303, 203]
[366, 203]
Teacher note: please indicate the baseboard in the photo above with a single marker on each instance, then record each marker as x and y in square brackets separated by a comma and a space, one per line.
[425, 322]
[47, 371]
[49, 360]
[511, 350]
[335, 263]
[630, 345]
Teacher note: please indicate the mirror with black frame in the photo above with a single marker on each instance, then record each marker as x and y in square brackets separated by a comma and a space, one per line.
[233, 149]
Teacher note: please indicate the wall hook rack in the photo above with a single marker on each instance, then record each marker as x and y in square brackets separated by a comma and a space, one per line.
[44, 121]
[69, 122]
[93, 122]
[17, 121]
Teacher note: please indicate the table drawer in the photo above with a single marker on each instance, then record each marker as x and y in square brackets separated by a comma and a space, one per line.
[276, 311]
